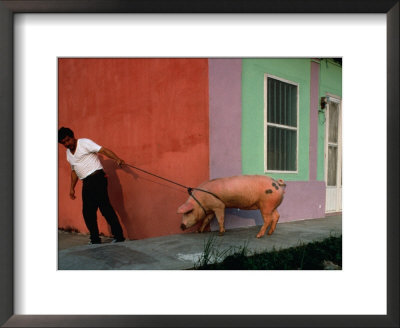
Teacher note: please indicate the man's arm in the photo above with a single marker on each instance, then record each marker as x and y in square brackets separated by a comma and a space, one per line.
[74, 180]
[110, 154]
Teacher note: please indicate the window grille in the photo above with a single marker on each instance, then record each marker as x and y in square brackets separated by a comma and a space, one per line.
[281, 125]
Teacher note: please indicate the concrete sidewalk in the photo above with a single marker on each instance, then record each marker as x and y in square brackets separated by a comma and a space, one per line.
[178, 252]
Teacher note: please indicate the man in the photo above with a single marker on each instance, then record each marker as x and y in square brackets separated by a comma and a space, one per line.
[86, 166]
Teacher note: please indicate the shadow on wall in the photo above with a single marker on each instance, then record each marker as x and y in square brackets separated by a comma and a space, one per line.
[157, 189]
[115, 192]
[236, 218]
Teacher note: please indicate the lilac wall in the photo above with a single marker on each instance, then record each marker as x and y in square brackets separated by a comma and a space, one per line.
[225, 78]
[303, 200]
[225, 83]
[314, 120]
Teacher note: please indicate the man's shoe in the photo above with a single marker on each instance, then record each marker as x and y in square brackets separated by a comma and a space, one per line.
[94, 242]
[116, 240]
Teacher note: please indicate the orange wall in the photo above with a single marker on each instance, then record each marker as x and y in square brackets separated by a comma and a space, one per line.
[153, 113]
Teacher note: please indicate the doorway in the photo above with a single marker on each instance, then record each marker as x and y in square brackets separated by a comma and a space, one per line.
[333, 155]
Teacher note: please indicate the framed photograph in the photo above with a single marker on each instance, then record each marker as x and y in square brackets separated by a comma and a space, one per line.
[34, 35]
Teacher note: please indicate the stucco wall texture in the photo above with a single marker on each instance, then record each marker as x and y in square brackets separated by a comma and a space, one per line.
[154, 114]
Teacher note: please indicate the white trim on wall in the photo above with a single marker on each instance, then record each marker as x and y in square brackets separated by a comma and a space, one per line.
[333, 193]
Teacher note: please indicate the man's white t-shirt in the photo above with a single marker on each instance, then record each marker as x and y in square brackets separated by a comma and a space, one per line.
[85, 160]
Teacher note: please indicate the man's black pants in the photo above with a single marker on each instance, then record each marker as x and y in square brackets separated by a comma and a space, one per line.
[94, 196]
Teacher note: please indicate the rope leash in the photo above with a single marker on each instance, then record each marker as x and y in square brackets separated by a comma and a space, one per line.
[189, 189]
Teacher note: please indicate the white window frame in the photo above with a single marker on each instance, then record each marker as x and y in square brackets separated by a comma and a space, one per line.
[338, 100]
[266, 124]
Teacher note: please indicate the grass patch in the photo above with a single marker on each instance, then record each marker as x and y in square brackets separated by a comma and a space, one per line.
[213, 255]
[311, 256]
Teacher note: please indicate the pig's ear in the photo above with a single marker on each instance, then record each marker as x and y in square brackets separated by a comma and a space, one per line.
[187, 207]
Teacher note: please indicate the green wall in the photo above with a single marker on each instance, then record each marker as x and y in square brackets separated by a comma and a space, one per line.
[330, 82]
[253, 70]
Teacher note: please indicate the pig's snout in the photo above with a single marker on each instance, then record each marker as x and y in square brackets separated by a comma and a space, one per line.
[183, 227]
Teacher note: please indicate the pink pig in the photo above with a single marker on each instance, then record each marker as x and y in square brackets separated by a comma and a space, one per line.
[247, 192]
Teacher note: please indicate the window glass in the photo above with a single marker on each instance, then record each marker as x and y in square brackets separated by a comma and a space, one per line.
[281, 125]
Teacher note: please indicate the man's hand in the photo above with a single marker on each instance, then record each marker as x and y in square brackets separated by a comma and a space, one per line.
[120, 162]
[74, 180]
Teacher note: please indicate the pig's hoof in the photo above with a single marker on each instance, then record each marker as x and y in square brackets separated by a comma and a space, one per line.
[259, 235]
[221, 234]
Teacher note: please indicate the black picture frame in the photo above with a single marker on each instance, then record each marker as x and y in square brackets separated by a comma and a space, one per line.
[11, 7]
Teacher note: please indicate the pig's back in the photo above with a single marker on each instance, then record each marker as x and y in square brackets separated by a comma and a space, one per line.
[244, 191]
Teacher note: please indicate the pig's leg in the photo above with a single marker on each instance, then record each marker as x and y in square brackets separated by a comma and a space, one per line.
[206, 221]
[268, 218]
[275, 219]
[220, 214]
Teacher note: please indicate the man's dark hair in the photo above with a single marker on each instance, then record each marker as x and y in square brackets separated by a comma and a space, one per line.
[64, 132]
